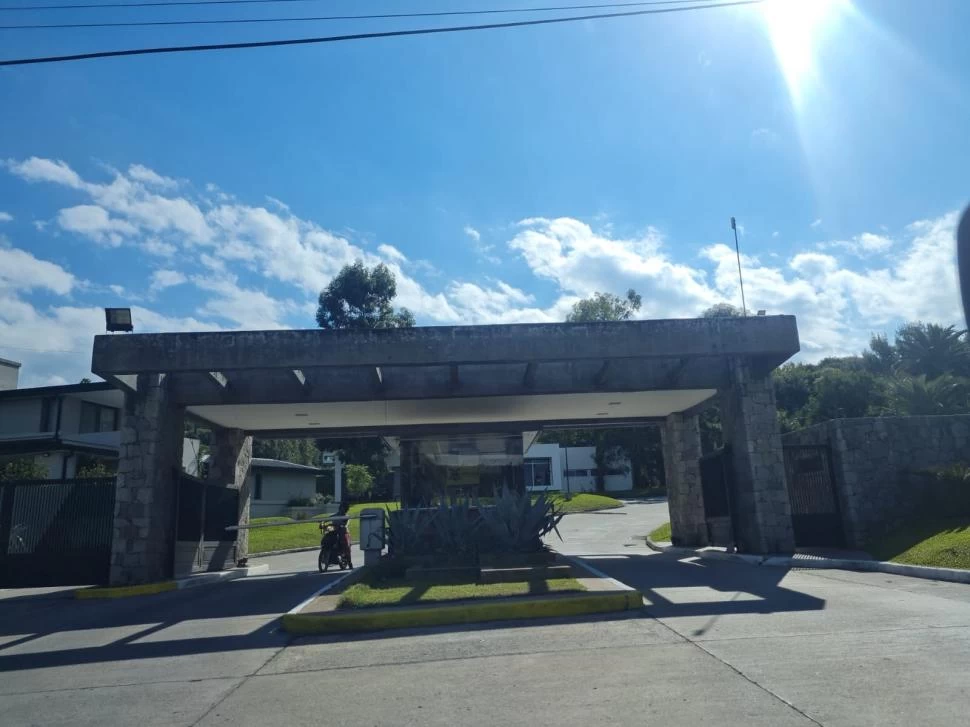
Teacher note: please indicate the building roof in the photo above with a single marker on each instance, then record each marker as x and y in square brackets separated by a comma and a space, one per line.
[279, 464]
[8, 362]
[30, 392]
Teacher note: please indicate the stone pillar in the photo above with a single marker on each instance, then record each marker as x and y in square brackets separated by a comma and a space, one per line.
[749, 419]
[148, 467]
[685, 498]
[230, 452]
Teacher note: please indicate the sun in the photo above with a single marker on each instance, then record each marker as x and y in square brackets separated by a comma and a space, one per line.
[795, 28]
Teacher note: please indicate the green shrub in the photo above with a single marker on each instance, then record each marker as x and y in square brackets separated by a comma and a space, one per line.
[515, 523]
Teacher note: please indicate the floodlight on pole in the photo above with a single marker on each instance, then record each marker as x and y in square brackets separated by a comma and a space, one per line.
[118, 319]
[737, 249]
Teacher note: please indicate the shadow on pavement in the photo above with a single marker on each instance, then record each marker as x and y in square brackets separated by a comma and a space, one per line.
[27, 619]
[671, 588]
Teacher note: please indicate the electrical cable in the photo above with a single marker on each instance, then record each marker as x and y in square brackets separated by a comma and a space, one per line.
[359, 36]
[382, 16]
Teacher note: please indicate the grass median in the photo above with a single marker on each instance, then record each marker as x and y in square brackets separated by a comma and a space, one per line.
[301, 535]
[661, 534]
[374, 592]
[937, 542]
[584, 502]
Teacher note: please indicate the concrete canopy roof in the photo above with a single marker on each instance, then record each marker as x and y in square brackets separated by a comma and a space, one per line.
[301, 382]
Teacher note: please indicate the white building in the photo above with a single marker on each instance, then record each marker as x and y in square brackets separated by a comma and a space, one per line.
[274, 483]
[64, 428]
[550, 467]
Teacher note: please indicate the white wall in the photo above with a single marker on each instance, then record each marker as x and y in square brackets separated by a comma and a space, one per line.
[278, 487]
[578, 458]
[8, 376]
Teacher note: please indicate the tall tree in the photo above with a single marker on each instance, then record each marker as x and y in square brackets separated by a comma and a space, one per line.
[931, 350]
[605, 307]
[722, 310]
[359, 297]
[917, 395]
[882, 357]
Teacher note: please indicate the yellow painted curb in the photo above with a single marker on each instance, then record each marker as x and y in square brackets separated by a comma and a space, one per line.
[464, 613]
[144, 589]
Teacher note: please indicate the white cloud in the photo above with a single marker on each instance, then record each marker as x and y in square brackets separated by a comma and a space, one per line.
[151, 178]
[816, 224]
[245, 308]
[6, 217]
[118, 290]
[20, 270]
[775, 234]
[581, 262]
[36, 169]
[392, 253]
[473, 233]
[154, 246]
[162, 279]
[862, 245]
[95, 223]
[764, 136]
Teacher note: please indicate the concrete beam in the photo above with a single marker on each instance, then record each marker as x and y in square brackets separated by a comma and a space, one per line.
[599, 379]
[772, 339]
[300, 377]
[269, 386]
[529, 380]
[125, 382]
[454, 378]
[276, 386]
[378, 379]
[219, 379]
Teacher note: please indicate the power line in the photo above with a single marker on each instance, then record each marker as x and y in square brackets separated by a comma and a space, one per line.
[383, 16]
[359, 36]
[176, 3]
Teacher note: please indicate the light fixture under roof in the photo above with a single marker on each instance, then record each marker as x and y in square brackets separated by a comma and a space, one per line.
[301, 414]
[602, 413]
[313, 424]
[614, 403]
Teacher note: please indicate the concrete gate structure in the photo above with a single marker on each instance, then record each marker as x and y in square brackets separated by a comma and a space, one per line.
[484, 379]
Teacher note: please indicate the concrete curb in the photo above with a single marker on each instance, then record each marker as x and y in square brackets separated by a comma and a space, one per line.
[953, 575]
[147, 589]
[466, 612]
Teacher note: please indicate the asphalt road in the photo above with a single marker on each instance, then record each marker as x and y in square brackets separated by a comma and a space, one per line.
[716, 643]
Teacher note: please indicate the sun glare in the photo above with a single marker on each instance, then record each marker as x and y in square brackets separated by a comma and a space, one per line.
[796, 28]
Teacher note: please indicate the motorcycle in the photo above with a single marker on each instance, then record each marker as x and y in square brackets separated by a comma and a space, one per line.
[334, 546]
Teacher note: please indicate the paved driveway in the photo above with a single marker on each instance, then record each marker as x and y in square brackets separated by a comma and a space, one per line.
[716, 643]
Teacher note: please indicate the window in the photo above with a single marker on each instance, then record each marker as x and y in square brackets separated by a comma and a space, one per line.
[258, 486]
[48, 407]
[537, 473]
[97, 418]
[579, 473]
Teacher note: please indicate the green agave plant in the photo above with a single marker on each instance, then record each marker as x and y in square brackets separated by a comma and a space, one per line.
[455, 527]
[408, 530]
[515, 523]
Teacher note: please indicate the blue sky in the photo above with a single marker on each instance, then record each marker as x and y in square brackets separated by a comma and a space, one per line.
[503, 174]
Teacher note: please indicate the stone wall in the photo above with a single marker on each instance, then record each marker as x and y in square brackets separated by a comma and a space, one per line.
[148, 465]
[685, 498]
[878, 465]
[749, 418]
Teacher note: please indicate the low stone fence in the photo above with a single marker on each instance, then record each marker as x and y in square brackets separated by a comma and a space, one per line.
[880, 463]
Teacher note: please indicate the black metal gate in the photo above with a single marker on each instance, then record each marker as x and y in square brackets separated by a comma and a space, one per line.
[816, 518]
[716, 485]
[203, 511]
[56, 532]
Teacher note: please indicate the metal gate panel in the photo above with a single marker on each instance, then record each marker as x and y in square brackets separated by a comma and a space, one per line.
[56, 532]
[816, 518]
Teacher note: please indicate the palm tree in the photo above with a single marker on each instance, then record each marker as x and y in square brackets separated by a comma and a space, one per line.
[917, 395]
[930, 350]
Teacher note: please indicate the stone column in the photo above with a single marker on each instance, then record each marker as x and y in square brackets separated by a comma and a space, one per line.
[749, 419]
[338, 480]
[148, 468]
[685, 498]
[230, 452]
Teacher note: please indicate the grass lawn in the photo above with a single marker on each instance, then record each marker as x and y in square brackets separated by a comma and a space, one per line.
[940, 542]
[304, 535]
[398, 591]
[585, 501]
[661, 534]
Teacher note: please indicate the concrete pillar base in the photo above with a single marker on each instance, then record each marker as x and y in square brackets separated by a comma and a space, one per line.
[685, 497]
